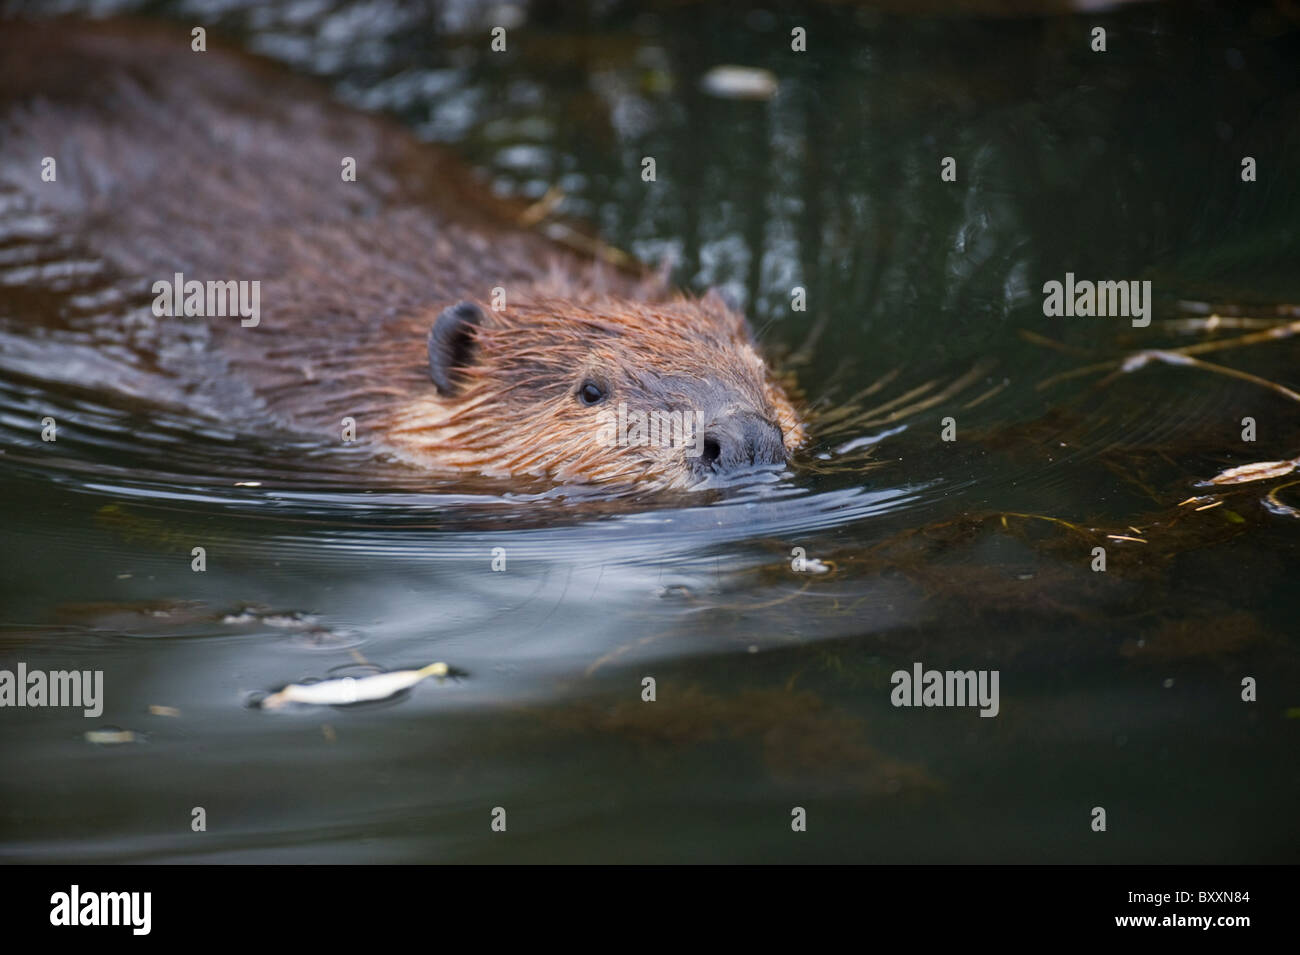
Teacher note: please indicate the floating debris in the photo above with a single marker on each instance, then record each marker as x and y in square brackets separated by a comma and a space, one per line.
[348, 689]
[306, 627]
[739, 82]
[156, 710]
[110, 737]
[283, 621]
[1259, 471]
[1184, 356]
[1275, 506]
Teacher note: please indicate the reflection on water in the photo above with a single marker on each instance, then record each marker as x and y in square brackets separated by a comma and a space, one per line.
[1119, 688]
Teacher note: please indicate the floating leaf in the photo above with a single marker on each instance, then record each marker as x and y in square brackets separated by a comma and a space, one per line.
[1259, 471]
[347, 690]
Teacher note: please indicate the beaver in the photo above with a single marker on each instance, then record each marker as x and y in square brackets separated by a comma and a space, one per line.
[380, 295]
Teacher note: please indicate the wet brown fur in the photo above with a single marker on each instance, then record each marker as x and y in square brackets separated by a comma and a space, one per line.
[222, 167]
[532, 357]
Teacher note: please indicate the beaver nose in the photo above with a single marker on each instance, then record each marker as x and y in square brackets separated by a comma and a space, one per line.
[739, 440]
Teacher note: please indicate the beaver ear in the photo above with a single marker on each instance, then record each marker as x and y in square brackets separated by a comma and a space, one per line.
[451, 344]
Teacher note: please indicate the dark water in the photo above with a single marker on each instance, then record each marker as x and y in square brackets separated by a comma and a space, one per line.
[1120, 689]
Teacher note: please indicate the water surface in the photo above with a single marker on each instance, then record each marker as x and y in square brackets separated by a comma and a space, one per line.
[1119, 689]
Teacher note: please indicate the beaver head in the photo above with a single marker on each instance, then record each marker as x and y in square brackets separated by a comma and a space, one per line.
[598, 390]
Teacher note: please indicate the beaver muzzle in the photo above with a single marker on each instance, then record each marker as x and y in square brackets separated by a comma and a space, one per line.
[740, 440]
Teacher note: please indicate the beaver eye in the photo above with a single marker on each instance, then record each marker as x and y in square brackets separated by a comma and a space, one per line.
[591, 393]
